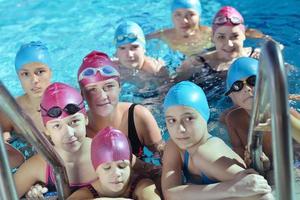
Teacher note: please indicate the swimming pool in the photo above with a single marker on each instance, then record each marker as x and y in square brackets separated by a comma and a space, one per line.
[72, 29]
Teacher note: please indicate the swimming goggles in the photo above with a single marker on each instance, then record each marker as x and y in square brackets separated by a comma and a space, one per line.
[223, 20]
[130, 36]
[238, 85]
[106, 71]
[56, 111]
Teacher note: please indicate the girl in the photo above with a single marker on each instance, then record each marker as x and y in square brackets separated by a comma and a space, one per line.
[111, 158]
[204, 160]
[65, 120]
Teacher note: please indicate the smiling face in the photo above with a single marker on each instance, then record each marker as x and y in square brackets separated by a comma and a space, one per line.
[244, 97]
[229, 41]
[185, 125]
[102, 96]
[68, 133]
[131, 55]
[35, 78]
[185, 20]
[114, 176]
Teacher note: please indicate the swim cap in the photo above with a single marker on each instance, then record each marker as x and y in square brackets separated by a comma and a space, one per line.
[231, 16]
[95, 60]
[187, 94]
[129, 32]
[186, 4]
[109, 145]
[240, 69]
[59, 101]
[32, 52]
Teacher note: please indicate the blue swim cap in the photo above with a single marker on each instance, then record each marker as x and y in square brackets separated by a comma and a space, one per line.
[187, 94]
[186, 4]
[241, 68]
[32, 52]
[129, 32]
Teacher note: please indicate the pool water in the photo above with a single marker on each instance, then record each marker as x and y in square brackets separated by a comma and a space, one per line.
[71, 29]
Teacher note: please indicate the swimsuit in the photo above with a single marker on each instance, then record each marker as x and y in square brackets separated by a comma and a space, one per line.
[130, 190]
[190, 178]
[211, 80]
[136, 145]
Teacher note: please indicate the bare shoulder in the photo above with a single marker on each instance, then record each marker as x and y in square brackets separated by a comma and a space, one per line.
[232, 115]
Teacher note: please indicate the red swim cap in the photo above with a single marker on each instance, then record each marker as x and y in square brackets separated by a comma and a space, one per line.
[59, 101]
[96, 60]
[228, 16]
[109, 145]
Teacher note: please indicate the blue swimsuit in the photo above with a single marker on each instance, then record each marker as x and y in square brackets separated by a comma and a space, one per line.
[190, 178]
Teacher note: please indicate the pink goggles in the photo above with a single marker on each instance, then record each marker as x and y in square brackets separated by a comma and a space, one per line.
[221, 20]
[105, 71]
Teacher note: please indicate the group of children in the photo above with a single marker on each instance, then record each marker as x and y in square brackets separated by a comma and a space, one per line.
[102, 147]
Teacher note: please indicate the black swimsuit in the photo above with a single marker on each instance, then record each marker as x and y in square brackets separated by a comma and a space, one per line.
[210, 80]
[136, 145]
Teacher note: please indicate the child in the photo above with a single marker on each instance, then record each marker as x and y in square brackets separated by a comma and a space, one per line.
[204, 160]
[65, 120]
[240, 88]
[130, 51]
[33, 66]
[228, 35]
[111, 158]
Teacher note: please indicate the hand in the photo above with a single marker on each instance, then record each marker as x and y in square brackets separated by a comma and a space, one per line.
[294, 97]
[249, 183]
[264, 159]
[36, 192]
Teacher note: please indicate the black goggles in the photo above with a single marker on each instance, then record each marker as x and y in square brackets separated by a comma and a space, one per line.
[56, 111]
[238, 85]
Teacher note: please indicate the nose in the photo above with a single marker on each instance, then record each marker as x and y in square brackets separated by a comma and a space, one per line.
[230, 43]
[102, 94]
[70, 131]
[130, 53]
[248, 89]
[117, 172]
[182, 129]
[35, 78]
[185, 20]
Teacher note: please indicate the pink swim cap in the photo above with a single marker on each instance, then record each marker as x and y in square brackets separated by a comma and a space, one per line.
[59, 101]
[228, 16]
[109, 145]
[89, 73]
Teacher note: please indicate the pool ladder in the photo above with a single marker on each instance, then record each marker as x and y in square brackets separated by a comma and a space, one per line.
[24, 123]
[271, 101]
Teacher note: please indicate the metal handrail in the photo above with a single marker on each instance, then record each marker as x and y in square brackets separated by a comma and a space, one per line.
[271, 100]
[24, 123]
[7, 187]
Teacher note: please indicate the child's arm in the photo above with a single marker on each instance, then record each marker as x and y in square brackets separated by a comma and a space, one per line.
[155, 35]
[33, 170]
[235, 138]
[146, 190]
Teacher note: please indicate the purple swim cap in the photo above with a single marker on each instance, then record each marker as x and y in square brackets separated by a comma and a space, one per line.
[109, 145]
[59, 101]
[89, 73]
[228, 16]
